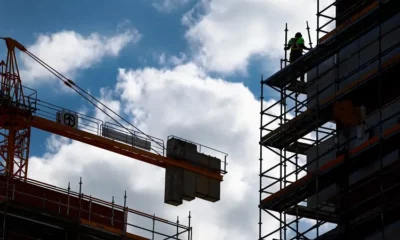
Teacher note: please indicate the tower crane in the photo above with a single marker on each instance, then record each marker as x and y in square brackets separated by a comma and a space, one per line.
[189, 173]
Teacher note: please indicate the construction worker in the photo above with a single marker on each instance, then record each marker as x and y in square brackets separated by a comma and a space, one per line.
[296, 46]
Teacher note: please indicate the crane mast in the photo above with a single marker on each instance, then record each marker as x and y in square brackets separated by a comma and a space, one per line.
[15, 113]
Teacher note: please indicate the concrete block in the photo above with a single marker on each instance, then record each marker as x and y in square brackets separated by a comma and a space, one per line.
[202, 160]
[179, 149]
[189, 185]
[214, 190]
[173, 193]
[201, 186]
[214, 164]
[194, 158]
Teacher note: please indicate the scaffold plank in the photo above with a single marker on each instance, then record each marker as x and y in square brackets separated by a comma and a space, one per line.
[298, 147]
[298, 87]
[306, 212]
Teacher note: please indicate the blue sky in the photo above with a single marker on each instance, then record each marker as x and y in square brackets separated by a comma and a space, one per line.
[162, 33]
[183, 67]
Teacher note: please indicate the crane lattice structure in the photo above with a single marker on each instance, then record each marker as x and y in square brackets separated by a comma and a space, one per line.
[190, 173]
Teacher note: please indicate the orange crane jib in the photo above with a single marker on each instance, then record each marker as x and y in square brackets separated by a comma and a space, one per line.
[17, 116]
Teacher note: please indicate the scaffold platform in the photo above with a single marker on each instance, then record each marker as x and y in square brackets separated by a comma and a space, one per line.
[328, 173]
[344, 121]
[358, 92]
[337, 40]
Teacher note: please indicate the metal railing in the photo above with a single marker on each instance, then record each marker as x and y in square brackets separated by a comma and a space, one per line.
[222, 156]
[156, 230]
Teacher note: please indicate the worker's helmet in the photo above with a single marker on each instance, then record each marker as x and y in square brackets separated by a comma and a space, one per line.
[298, 35]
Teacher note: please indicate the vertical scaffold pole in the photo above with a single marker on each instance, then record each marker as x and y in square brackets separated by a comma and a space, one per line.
[69, 189]
[283, 111]
[261, 159]
[154, 225]
[80, 196]
[286, 41]
[318, 14]
[190, 227]
[125, 216]
[309, 35]
[112, 211]
[317, 118]
[177, 227]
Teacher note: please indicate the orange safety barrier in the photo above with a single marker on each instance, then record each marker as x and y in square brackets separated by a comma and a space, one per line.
[334, 162]
[54, 201]
[351, 20]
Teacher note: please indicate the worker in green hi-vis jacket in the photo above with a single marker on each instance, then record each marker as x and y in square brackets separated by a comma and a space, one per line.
[296, 46]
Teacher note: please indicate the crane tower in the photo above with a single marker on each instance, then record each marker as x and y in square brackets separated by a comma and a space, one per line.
[15, 115]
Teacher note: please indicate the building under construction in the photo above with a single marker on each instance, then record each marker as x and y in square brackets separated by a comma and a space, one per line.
[336, 170]
[34, 210]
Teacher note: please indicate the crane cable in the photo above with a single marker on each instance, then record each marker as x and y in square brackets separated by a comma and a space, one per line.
[72, 84]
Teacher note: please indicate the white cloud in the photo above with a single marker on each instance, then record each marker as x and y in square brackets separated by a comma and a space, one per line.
[173, 60]
[226, 35]
[167, 6]
[106, 98]
[69, 52]
[182, 101]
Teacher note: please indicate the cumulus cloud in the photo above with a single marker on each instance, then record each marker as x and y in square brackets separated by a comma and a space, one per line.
[167, 6]
[69, 52]
[182, 101]
[186, 102]
[226, 35]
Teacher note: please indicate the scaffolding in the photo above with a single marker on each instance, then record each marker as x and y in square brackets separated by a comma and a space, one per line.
[342, 68]
[49, 212]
